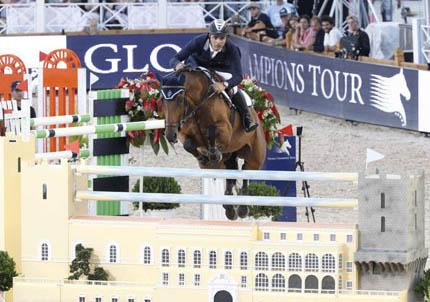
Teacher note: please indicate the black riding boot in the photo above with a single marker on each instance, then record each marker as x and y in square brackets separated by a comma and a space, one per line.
[240, 103]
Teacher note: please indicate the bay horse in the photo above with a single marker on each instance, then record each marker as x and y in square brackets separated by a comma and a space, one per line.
[211, 130]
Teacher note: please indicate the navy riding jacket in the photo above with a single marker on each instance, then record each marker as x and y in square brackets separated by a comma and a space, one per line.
[197, 53]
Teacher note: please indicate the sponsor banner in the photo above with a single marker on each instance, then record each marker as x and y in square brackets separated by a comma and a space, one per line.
[371, 93]
[31, 49]
[276, 161]
[424, 101]
[108, 58]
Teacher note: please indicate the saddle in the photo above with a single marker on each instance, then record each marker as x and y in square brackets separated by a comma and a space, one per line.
[215, 76]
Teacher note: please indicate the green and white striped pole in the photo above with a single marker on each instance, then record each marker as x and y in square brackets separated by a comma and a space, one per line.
[100, 129]
[63, 154]
[61, 119]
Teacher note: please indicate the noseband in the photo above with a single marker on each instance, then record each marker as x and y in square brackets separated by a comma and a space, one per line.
[184, 102]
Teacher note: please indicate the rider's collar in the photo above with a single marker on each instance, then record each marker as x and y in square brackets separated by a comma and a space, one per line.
[209, 47]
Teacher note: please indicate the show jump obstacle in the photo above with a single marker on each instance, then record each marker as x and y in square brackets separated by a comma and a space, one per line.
[219, 174]
[117, 172]
[106, 122]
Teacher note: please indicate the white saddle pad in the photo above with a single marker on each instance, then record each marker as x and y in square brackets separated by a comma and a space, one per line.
[228, 76]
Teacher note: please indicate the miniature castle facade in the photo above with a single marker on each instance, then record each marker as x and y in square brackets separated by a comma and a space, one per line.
[151, 259]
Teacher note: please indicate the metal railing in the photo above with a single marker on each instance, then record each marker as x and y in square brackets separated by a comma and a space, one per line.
[63, 282]
[369, 292]
[74, 17]
[406, 37]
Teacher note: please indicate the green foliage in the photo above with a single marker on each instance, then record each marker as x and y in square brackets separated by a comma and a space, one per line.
[423, 286]
[99, 274]
[261, 189]
[158, 185]
[7, 271]
[83, 139]
[81, 266]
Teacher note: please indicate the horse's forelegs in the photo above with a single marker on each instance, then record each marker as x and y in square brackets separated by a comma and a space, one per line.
[231, 163]
[214, 153]
[191, 147]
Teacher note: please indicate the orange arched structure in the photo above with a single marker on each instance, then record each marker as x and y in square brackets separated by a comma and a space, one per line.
[11, 69]
[60, 84]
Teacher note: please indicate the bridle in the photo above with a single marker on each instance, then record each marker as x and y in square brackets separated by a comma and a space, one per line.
[190, 112]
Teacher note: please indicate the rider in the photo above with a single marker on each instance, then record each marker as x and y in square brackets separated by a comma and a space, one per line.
[215, 52]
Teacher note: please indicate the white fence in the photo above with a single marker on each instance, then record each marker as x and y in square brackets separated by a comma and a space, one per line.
[72, 17]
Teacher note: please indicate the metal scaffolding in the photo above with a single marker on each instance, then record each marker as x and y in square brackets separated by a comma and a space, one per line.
[340, 9]
[426, 31]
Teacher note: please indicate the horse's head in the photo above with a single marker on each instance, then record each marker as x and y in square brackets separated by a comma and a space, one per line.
[181, 94]
[173, 93]
[402, 85]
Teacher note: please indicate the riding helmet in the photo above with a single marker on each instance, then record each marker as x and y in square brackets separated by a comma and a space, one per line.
[218, 27]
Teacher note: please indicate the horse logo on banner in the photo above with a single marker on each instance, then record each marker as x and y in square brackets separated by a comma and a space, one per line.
[385, 94]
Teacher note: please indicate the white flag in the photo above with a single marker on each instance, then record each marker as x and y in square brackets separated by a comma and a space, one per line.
[93, 79]
[372, 155]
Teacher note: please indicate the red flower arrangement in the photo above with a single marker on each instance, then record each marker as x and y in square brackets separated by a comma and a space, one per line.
[145, 103]
[265, 107]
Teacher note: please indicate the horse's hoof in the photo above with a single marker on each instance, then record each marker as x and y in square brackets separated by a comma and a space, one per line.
[243, 191]
[243, 211]
[231, 213]
[226, 206]
[215, 156]
[203, 160]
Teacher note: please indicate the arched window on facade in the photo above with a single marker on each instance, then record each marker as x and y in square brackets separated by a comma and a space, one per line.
[328, 263]
[294, 262]
[295, 284]
[243, 261]
[278, 283]
[165, 257]
[328, 285]
[212, 259]
[311, 263]
[228, 260]
[113, 253]
[261, 261]
[181, 258]
[278, 262]
[44, 251]
[147, 255]
[261, 282]
[197, 259]
[311, 284]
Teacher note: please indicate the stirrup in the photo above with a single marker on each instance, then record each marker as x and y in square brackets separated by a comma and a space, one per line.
[251, 125]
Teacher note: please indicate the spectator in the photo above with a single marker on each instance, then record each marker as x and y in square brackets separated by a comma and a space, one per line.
[289, 36]
[285, 19]
[284, 29]
[305, 35]
[356, 40]
[319, 36]
[332, 34]
[259, 24]
[18, 95]
[274, 12]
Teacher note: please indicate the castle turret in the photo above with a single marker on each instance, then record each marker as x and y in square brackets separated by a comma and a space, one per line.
[48, 199]
[391, 254]
[14, 151]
